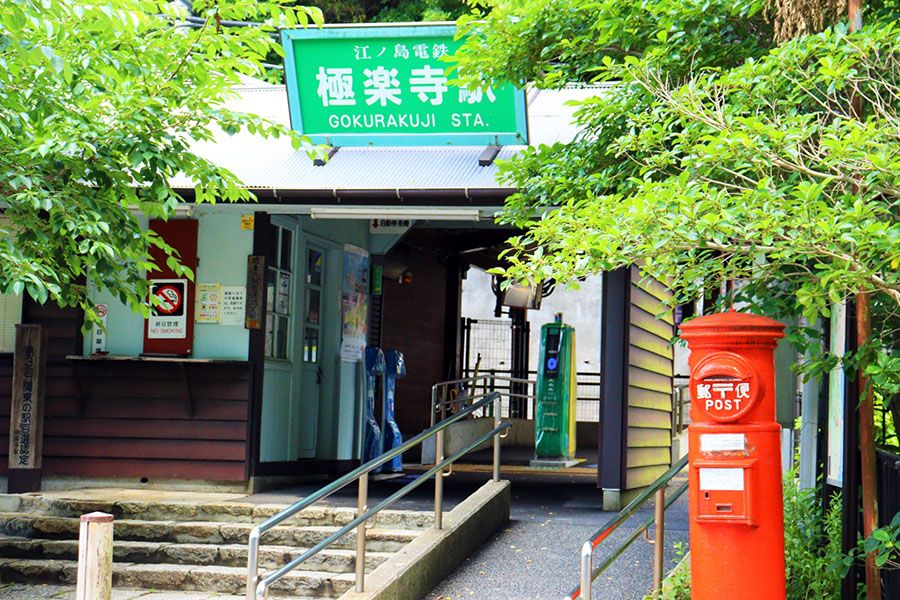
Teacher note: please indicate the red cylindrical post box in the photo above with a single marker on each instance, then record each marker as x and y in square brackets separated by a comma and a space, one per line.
[736, 504]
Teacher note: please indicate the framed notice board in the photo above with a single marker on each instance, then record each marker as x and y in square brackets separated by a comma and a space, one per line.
[170, 328]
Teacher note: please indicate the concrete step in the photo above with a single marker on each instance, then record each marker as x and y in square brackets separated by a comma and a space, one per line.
[201, 532]
[222, 512]
[226, 555]
[226, 580]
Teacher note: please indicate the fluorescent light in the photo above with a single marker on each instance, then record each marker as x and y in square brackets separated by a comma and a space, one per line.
[395, 212]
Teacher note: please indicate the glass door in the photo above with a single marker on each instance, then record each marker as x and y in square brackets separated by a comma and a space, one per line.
[312, 329]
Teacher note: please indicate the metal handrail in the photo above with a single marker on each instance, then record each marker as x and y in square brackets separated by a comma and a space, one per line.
[439, 406]
[257, 588]
[657, 489]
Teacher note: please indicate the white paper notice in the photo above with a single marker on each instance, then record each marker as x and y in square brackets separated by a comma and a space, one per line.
[234, 302]
[722, 479]
[722, 442]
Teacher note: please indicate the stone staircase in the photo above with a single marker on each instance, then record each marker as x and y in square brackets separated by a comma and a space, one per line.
[176, 545]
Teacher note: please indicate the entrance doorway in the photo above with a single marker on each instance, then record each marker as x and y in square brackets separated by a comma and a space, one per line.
[312, 371]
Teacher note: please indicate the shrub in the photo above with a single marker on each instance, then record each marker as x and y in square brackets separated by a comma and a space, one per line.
[812, 543]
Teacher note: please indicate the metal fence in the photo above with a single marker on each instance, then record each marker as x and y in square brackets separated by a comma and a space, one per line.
[487, 344]
[587, 408]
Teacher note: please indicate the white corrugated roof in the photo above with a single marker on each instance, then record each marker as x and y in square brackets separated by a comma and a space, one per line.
[273, 163]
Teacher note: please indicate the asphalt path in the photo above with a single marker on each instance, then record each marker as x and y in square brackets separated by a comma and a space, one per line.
[536, 556]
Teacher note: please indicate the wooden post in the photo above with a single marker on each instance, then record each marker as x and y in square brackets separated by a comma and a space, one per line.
[95, 557]
[26, 417]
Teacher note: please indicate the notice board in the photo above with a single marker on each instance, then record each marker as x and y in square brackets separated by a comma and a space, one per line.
[170, 328]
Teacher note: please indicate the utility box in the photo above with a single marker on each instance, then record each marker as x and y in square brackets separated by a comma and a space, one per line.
[736, 504]
[554, 414]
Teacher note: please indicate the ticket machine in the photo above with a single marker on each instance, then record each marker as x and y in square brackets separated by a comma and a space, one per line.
[554, 417]
[395, 368]
[374, 368]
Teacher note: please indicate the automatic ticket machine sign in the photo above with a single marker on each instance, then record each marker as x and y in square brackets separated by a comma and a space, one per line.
[736, 508]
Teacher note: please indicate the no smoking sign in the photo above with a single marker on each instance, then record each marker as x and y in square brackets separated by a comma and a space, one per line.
[171, 299]
[168, 314]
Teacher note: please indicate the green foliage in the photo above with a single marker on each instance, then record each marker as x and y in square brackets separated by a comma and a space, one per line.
[714, 156]
[99, 103]
[812, 543]
[420, 10]
[884, 543]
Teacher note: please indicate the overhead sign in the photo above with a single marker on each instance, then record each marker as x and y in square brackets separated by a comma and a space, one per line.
[390, 226]
[388, 85]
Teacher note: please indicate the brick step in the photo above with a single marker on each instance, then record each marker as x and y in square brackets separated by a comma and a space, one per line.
[226, 580]
[222, 512]
[228, 555]
[201, 532]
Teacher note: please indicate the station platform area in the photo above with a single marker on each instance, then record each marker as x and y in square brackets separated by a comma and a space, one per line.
[515, 465]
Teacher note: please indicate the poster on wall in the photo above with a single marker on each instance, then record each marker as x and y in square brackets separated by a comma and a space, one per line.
[834, 474]
[354, 303]
[168, 314]
[209, 303]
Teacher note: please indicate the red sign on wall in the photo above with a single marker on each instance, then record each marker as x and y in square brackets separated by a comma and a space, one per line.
[170, 328]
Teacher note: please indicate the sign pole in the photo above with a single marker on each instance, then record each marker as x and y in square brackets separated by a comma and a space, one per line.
[26, 419]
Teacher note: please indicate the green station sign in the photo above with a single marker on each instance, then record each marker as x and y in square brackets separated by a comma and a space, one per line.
[389, 86]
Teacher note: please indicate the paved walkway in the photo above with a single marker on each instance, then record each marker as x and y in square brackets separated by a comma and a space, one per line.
[536, 556]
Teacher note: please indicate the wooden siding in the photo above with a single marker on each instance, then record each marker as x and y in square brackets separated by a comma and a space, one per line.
[132, 419]
[648, 410]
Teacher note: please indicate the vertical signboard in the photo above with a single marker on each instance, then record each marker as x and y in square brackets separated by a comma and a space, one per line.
[98, 341]
[255, 309]
[26, 419]
[389, 85]
[170, 328]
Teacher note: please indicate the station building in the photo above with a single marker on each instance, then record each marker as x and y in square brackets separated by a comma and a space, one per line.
[252, 375]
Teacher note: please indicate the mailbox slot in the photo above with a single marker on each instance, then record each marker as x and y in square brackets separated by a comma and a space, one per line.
[725, 491]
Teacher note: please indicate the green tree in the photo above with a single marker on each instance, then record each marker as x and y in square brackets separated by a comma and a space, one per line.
[99, 104]
[715, 155]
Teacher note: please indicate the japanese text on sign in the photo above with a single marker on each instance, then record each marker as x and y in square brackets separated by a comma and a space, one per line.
[168, 316]
[22, 442]
[723, 396]
[358, 86]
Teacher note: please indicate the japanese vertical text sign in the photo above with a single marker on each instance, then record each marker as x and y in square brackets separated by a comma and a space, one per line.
[26, 420]
[388, 85]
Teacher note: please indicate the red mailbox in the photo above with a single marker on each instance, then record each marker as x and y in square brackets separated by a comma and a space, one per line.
[736, 505]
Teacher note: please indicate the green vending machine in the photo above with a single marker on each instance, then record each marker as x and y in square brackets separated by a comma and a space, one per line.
[554, 419]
